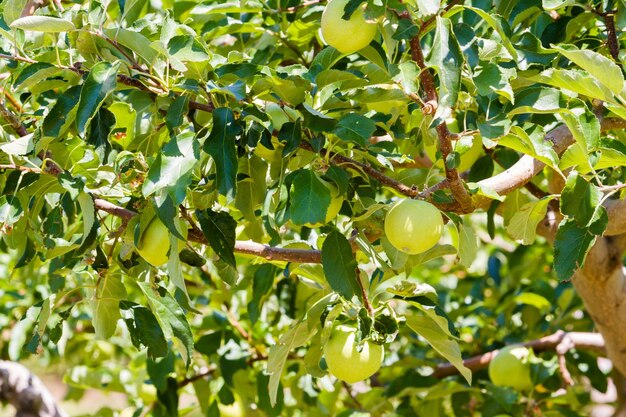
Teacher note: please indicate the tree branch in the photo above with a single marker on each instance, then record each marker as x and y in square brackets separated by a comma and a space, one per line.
[527, 167]
[344, 161]
[24, 391]
[601, 283]
[611, 35]
[588, 341]
[459, 192]
[267, 252]
[13, 120]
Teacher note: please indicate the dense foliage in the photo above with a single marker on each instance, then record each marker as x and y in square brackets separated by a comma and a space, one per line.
[270, 161]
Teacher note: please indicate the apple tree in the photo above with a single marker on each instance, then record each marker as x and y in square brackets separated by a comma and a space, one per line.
[302, 207]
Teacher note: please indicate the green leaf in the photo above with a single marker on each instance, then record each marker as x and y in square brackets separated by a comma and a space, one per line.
[441, 341]
[435, 252]
[176, 112]
[446, 58]
[406, 30]
[134, 41]
[251, 190]
[291, 135]
[355, 128]
[539, 302]
[105, 304]
[99, 130]
[468, 245]
[342, 79]
[579, 199]
[262, 285]
[412, 289]
[62, 114]
[100, 83]
[10, 211]
[173, 166]
[33, 74]
[12, 10]
[531, 143]
[297, 336]
[584, 125]
[542, 100]
[170, 316]
[575, 80]
[291, 90]
[187, 48]
[219, 230]
[144, 329]
[340, 266]
[571, 246]
[523, 225]
[497, 23]
[310, 199]
[43, 24]
[123, 131]
[19, 146]
[88, 210]
[601, 68]
[221, 146]
[493, 78]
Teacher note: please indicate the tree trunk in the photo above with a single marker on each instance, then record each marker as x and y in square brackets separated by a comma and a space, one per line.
[26, 392]
[601, 284]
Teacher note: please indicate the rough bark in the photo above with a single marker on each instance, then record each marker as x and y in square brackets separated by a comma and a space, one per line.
[601, 283]
[26, 392]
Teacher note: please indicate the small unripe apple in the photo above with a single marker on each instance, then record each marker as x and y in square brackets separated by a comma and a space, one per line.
[511, 368]
[344, 359]
[154, 244]
[347, 36]
[413, 226]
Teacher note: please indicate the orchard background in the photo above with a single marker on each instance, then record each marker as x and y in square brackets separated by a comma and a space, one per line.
[236, 126]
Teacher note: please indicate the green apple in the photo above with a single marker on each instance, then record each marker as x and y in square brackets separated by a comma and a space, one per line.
[413, 226]
[154, 244]
[344, 358]
[511, 368]
[347, 36]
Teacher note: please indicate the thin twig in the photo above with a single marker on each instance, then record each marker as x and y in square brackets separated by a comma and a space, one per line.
[340, 160]
[13, 120]
[611, 35]
[564, 346]
[17, 58]
[16, 104]
[609, 188]
[356, 402]
[237, 326]
[202, 374]
[366, 300]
